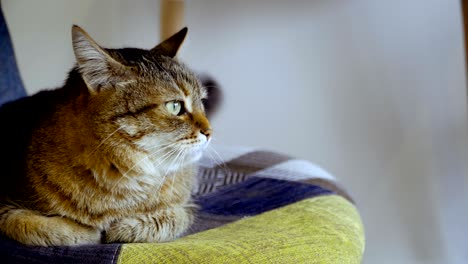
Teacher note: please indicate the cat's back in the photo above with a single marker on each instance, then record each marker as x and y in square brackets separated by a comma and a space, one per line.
[18, 120]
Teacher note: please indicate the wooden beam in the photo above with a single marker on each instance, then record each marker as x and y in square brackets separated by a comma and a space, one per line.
[172, 17]
[464, 5]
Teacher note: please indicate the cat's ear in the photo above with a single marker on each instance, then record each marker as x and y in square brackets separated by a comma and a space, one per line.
[97, 67]
[170, 46]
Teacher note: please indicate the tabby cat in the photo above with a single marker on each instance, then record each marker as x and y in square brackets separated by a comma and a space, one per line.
[108, 157]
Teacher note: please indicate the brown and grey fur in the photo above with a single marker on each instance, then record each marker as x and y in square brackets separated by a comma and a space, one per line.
[102, 154]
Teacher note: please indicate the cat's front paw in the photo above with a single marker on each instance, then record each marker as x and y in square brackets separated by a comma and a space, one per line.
[38, 230]
[129, 230]
[69, 233]
[162, 226]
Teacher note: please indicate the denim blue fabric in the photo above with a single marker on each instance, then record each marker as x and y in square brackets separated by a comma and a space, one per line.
[13, 252]
[11, 86]
[257, 195]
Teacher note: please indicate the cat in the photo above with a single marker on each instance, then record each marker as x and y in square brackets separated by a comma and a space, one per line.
[110, 156]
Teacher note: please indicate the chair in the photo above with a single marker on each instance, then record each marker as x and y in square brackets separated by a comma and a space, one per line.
[255, 207]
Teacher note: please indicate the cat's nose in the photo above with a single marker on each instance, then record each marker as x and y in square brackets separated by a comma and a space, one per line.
[203, 125]
[206, 132]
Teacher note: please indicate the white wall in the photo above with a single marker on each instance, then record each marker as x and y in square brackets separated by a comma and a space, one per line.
[374, 91]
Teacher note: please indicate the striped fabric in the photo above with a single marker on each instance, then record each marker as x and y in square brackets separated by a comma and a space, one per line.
[255, 207]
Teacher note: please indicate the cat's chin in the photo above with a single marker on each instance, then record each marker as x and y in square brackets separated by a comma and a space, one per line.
[194, 158]
[196, 152]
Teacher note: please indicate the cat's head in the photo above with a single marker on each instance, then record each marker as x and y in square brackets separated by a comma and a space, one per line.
[144, 101]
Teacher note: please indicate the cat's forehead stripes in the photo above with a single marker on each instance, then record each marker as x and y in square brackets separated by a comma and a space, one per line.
[180, 77]
[171, 78]
[184, 89]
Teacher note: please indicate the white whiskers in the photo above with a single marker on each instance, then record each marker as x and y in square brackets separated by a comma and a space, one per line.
[165, 146]
[218, 160]
[178, 151]
[160, 160]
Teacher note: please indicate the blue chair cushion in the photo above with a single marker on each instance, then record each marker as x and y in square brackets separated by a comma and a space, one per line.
[11, 86]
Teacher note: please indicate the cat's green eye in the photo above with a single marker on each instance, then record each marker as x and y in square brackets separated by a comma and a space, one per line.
[175, 107]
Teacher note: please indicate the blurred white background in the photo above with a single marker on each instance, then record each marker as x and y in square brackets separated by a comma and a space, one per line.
[373, 91]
